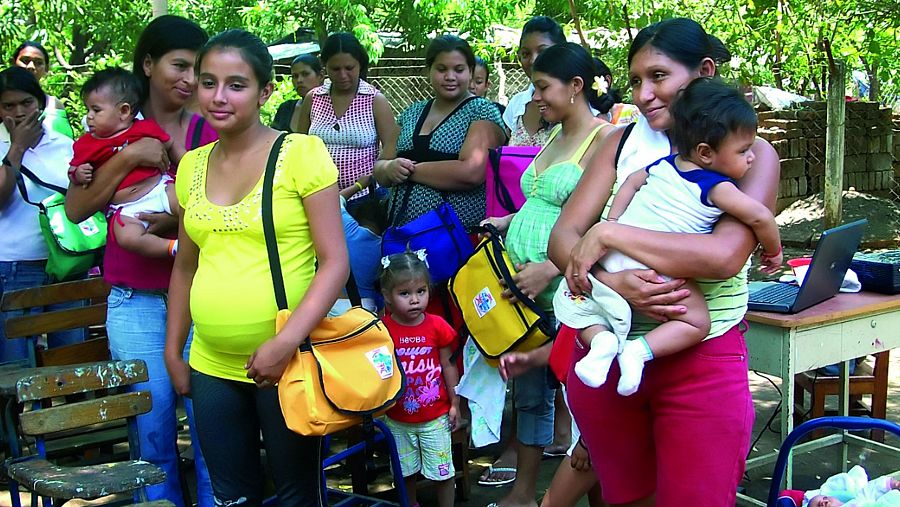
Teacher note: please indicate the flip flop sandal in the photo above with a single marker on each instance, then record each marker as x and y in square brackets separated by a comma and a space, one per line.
[491, 470]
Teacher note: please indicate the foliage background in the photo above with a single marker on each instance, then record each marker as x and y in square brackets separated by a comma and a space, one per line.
[781, 43]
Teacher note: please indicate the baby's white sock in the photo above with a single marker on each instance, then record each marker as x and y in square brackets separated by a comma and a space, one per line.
[593, 368]
[631, 363]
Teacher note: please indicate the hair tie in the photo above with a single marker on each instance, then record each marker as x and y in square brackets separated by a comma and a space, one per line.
[386, 262]
[422, 255]
[600, 85]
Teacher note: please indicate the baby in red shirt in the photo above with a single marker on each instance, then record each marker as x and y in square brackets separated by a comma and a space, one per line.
[112, 96]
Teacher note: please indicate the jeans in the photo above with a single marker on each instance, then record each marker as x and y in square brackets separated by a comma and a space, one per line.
[230, 416]
[534, 401]
[136, 325]
[25, 275]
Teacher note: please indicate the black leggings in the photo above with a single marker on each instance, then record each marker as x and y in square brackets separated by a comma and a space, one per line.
[229, 416]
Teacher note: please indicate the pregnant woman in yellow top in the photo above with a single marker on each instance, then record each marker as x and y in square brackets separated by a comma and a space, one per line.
[221, 278]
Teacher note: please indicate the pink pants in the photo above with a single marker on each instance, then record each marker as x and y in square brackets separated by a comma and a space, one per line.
[683, 436]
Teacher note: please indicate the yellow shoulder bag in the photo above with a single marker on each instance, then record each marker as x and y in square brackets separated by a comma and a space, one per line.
[346, 371]
[496, 325]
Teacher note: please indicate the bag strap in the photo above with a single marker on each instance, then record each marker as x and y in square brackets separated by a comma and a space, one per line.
[20, 183]
[269, 224]
[198, 133]
[497, 247]
[404, 203]
[625, 134]
[269, 232]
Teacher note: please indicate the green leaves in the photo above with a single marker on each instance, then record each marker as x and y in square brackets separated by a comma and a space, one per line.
[778, 42]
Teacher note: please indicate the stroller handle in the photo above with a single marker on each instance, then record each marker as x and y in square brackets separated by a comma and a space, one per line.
[842, 423]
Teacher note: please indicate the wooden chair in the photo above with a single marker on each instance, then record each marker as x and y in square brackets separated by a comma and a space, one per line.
[95, 380]
[867, 379]
[459, 441]
[35, 322]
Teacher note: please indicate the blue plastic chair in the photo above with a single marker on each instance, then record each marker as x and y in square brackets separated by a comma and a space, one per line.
[842, 423]
[380, 433]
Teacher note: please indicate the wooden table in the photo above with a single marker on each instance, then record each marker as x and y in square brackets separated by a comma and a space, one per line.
[842, 328]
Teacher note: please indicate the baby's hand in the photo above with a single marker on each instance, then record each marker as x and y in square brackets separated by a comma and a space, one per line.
[771, 263]
[84, 174]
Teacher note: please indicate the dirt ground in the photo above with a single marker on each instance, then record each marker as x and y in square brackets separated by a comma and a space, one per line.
[801, 223]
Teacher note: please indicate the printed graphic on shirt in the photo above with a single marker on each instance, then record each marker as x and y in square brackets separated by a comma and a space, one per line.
[423, 372]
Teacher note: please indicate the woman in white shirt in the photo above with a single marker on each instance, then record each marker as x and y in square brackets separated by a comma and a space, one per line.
[23, 253]
[522, 118]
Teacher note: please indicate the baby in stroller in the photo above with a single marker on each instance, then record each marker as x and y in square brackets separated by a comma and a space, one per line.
[854, 489]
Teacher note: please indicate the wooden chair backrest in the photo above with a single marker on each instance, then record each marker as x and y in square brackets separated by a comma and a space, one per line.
[92, 290]
[58, 382]
[92, 317]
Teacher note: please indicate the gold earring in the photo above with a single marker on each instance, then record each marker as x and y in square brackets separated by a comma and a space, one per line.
[572, 99]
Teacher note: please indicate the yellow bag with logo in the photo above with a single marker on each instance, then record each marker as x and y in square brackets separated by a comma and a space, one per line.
[346, 372]
[496, 325]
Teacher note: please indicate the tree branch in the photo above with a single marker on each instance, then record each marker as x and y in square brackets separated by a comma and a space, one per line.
[577, 21]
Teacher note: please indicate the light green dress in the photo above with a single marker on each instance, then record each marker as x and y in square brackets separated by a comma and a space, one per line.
[529, 232]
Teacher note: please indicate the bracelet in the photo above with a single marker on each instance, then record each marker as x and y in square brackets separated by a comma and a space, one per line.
[173, 247]
[768, 255]
[358, 186]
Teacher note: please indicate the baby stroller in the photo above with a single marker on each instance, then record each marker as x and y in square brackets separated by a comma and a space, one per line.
[787, 499]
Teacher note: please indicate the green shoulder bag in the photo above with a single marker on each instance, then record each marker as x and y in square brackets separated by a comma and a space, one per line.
[73, 248]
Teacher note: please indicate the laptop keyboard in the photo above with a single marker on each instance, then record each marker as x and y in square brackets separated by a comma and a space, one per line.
[774, 293]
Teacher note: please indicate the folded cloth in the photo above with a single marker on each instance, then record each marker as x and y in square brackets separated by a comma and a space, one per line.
[482, 385]
[602, 306]
[850, 284]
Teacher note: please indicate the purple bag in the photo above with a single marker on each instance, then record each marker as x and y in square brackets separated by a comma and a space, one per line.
[504, 170]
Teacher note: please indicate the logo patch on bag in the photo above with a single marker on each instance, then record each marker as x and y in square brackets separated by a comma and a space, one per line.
[484, 302]
[383, 362]
[88, 227]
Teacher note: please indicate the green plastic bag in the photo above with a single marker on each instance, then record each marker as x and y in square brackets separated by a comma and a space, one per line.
[73, 248]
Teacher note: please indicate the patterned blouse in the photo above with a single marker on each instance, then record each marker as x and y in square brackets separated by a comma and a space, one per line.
[443, 143]
[521, 137]
[352, 139]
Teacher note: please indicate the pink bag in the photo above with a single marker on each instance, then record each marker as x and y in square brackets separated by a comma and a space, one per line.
[503, 172]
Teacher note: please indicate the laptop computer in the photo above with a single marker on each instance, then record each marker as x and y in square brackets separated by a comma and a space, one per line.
[823, 278]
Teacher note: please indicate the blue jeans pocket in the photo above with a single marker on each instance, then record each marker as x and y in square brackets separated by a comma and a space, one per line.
[116, 298]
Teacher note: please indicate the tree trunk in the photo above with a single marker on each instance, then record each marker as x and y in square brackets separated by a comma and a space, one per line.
[160, 7]
[627, 22]
[834, 144]
[872, 74]
[79, 47]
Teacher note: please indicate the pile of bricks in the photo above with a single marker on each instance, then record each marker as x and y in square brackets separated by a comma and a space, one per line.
[798, 135]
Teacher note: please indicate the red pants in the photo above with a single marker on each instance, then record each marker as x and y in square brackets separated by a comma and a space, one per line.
[683, 436]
